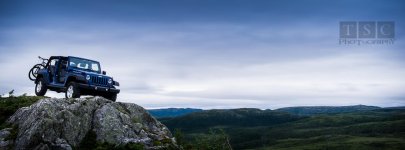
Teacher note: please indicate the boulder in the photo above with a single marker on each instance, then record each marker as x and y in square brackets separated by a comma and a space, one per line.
[59, 123]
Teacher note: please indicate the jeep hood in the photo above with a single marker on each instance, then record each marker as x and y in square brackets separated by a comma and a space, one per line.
[91, 73]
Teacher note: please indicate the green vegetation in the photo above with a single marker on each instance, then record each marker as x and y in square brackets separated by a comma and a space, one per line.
[371, 129]
[222, 118]
[171, 112]
[356, 128]
[215, 139]
[9, 105]
[315, 110]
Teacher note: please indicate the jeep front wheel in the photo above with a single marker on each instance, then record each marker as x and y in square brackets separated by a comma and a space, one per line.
[112, 97]
[40, 87]
[72, 91]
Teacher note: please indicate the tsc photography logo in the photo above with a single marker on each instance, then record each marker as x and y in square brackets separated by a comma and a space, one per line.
[367, 32]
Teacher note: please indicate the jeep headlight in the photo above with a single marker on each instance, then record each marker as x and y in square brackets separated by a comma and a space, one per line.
[109, 81]
[88, 77]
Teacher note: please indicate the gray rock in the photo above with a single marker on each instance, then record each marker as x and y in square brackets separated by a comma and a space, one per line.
[4, 144]
[54, 123]
[61, 144]
[4, 133]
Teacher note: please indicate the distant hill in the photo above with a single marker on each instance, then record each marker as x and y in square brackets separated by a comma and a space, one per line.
[314, 110]
[172, 112]
[228, 117]
[358, 128]
[398, 107]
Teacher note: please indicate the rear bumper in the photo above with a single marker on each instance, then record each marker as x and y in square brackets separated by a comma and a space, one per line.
[98, 88]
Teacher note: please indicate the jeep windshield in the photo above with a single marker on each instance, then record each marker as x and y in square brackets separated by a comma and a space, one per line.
[84, 64]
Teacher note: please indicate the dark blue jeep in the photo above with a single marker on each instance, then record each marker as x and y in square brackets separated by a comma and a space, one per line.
[75, 76]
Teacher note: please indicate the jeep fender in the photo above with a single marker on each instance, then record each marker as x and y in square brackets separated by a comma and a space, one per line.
[75, 78]
[38, 77]
[42, 73]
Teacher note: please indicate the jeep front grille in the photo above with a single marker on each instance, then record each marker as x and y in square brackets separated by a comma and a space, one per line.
[99, 80]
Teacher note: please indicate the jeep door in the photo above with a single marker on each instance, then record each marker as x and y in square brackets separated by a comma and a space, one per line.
[52, 69]
[62, 70]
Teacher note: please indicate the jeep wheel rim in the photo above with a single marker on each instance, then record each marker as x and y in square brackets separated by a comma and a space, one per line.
[39, 86]
[69, 92]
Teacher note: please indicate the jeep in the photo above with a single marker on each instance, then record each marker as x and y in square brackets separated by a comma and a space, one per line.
[75, 76]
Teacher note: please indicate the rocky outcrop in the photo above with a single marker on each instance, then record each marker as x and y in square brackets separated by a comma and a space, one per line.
[54, 123]
[5, 141]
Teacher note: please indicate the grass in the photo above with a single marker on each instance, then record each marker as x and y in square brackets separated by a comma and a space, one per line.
[338, 142]
[9, 105]
[375, 129]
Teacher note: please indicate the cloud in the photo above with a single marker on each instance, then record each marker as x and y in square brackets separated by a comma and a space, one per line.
[185, 55]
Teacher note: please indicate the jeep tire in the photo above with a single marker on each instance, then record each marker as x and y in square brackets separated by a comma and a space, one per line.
[40, 87]
[112, 97]
[72, 91]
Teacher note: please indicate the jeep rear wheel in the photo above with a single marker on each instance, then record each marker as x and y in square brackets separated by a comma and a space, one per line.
[40, 87]
[72, 91]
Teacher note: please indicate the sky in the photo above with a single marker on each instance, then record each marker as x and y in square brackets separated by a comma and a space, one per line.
[212, 54]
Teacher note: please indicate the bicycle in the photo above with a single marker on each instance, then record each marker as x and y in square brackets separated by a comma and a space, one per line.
[32, 74]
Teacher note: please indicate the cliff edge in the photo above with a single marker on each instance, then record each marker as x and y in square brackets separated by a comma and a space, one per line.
[58, 123]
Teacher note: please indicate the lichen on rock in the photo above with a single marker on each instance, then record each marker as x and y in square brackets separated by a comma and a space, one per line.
[58, 123]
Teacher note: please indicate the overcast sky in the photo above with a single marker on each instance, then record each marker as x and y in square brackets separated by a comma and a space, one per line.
[210, 53]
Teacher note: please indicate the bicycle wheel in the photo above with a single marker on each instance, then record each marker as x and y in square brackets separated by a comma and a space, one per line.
[33, 73]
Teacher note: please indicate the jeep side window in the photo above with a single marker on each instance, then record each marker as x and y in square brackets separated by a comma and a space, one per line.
[94, 67]
[72, 64]
[52, 65]
[64, 64]
[62, 71]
